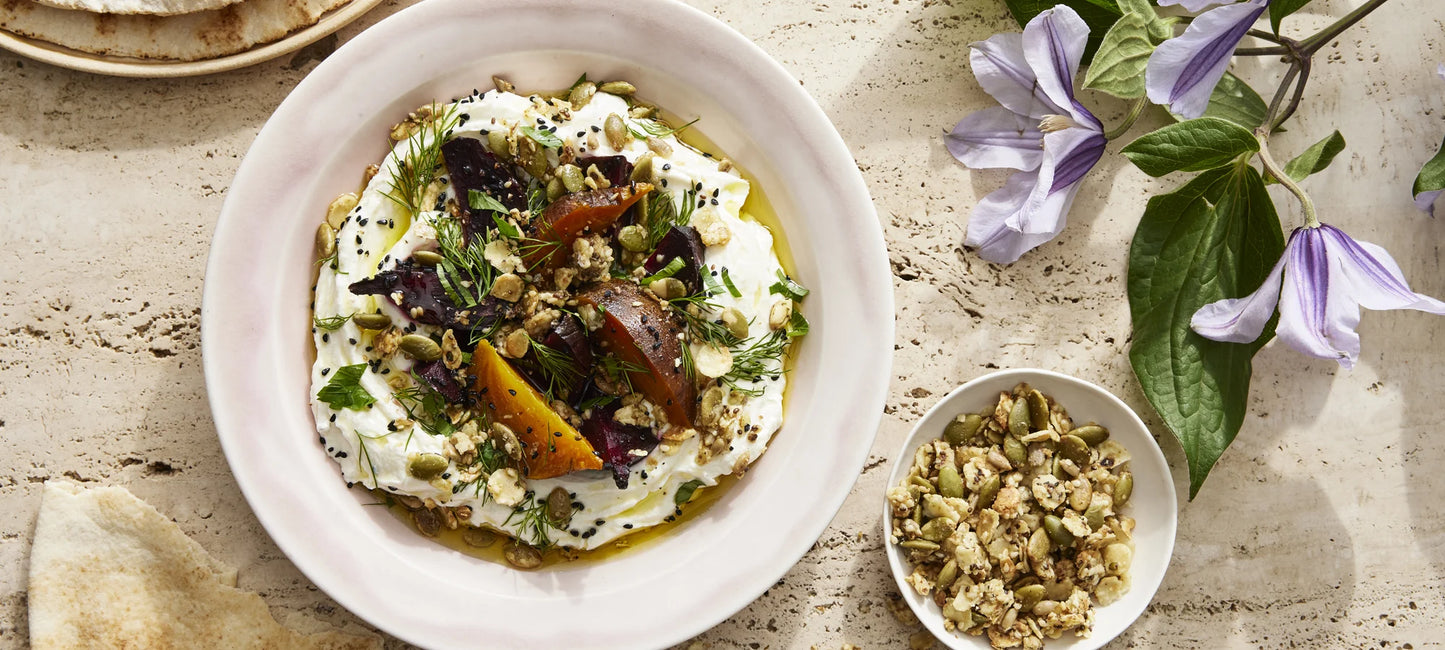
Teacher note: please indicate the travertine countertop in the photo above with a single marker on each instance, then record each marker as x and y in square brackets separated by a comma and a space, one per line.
[1322, 527]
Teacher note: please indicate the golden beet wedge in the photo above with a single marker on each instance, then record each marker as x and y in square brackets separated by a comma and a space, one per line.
[576, 215]
[550, 446]
[639, 332]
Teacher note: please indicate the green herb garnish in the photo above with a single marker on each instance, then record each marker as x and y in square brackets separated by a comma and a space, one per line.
[330, 324]
[663, 212]
[665, 272]
[656, 128]
[547, 139]
[557, 368]
[533, 523]
[417, 168]
[685, 491]
[787, 287]
[426, 407]
[344, 390]
[479, 200]
[728, 282]
[797, 325]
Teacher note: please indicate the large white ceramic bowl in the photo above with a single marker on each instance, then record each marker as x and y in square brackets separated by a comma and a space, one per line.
[257, 350]
[1152, 504]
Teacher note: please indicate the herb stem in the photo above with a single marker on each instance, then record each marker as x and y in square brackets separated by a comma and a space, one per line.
[1134, 111]
[1273, 169]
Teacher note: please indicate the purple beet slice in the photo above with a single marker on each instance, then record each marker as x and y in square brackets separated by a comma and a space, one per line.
[684, 243]
[471, 166]
[441, 380]
[567, 337]
[425, 301]
[616, 169]
[619, 445]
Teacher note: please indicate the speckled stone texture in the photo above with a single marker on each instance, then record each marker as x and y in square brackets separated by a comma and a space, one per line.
[1321, 527]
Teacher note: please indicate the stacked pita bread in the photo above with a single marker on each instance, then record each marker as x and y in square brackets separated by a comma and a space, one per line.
[109, 571]
[174, 30]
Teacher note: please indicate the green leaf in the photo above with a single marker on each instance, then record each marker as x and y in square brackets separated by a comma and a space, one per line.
[797, 324]
[1159, 29]
[1217, 237]
[505, 228]
[547, 139]
[728, 282]
[1195, 145]
[1314, 159]
[1118, 67]
[1098, 14]
[1432, 175]
[1278, 9]
[787, 287]
[480, 200]
[1235, 101]
[685, 491]
[344, 390]
[673, 266]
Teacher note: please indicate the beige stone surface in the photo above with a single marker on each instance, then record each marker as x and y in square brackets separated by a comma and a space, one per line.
[1322, 527]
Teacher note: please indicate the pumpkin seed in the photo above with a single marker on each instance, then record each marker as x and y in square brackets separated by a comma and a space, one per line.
[1123, 489]
[522, 556]
[559, 507]
[950, 484]
[736, 322]
[1038, 549]
[479, 537]
[336, 212]
[420, 347]
[1056, 531]
[426, 466]
[923, 483]
[1094, 516]
[427, 522]
[1015, 451]
[616, 131]
[325, 241]
[1074, 448]
[372, 321]
[1038, 410]
[642, 168]
[427, 258]
[1018, 419]
[988, 491]
[581, 94]
[502, 85]
[497, 142]
[947, 575]
[937, 530]
[977, 618]
[919, 545]
[633, 238]
[660, 147]
[620, 88]
[571, 176]
[962, 428]
[555, 189]
[1029, 596]
[1057, 469]
[1091, 433]
[534, 157]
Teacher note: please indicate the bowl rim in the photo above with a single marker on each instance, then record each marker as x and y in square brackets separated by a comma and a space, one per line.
[869, 268]
[933, 619]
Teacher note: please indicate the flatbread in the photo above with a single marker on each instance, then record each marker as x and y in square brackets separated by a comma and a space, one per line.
[147, 7]
[109, 571]
[186, 37]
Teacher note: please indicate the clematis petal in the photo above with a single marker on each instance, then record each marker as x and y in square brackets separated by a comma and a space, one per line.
[1193, 6]
[1241, 320]
[1053, 44]
[1317, 312]
[1425, 201]
[996, 137]
[991, 228]
[999, 65]
[1183, 71]
[1072, 153]
[1375, 280]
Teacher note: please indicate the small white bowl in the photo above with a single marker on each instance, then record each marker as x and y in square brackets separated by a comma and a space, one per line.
[1152, 504]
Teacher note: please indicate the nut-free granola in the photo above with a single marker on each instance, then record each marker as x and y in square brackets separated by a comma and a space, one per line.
[1012, 521]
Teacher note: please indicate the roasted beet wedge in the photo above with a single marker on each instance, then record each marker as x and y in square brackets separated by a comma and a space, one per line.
[566, 337]
[440, 379]
[681, 242]
[620, 445]
[577, 214]
[550, 446]
[420, 288]
[616, 169]
[638, 331]
[471, 166]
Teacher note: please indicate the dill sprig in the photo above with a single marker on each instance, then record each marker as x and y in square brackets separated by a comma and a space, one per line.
[533, 523]
[619, 370]
[417, 169]
[330, 324]
[701, 327]
[426, 407]
[656, 127]
[365, 453]
[557, 368]
[762, 358]
[465, 273]
[664, 212]
[488, 459]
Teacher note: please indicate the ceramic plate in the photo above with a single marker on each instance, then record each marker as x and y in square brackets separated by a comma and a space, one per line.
[1153, 504]
[256, 323]
[124, 66]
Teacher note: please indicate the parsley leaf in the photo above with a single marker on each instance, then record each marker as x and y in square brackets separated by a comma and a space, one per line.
[685, 491]
[480, 200]
[544, 138]
[787, 287]
[344, 391]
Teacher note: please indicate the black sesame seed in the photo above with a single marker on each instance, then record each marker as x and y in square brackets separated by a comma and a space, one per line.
[627, 526]
[596, 129]
[324, 372]
[325, 338]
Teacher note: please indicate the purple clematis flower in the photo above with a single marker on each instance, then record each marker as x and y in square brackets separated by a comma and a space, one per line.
[1039, 129]
[1183, 70]
[1326, 278]
[1426, 200]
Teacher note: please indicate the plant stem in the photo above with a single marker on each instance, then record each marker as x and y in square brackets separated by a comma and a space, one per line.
[1273, 169]
[1314, 43]
[1134, 112]
[1274, 104]
[1299, 92]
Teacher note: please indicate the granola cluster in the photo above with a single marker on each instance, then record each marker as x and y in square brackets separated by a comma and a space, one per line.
[1011, 521]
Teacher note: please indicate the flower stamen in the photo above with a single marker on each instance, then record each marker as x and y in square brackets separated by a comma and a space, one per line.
[1055, 123]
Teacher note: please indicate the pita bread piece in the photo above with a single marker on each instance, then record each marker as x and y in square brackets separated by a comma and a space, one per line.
[186, 37]
[146, 7]
[109, 571]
